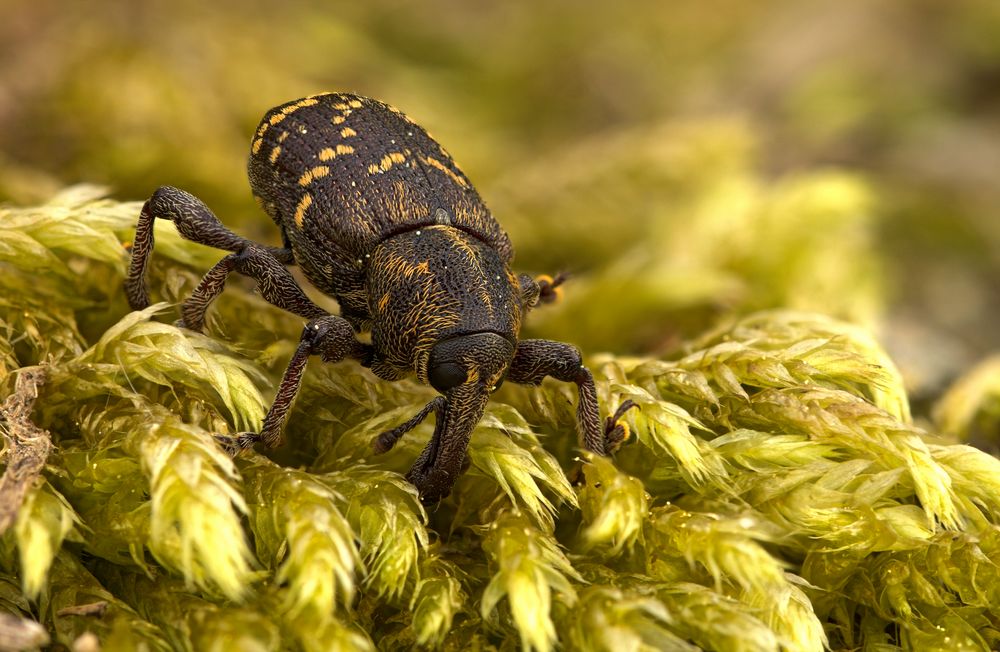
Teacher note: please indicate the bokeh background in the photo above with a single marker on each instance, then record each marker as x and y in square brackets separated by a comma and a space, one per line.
[685, 161]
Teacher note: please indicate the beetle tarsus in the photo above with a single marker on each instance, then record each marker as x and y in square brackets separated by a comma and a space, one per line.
[235, 444]
[542, 289]
[549, 290]
[616, 431]
[384, 442]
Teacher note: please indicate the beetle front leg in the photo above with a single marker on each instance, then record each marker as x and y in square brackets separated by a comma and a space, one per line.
[536, 359]
[195, 222]
[446, 457]
[330, 337]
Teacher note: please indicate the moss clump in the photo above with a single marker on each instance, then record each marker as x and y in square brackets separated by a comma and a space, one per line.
[775, 494]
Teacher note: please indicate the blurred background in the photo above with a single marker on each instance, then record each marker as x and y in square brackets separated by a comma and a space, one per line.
[685, 161]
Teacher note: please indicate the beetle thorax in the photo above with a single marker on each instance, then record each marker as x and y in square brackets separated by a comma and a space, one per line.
[428, 284]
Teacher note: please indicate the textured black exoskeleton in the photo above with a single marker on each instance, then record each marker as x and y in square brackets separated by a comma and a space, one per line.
[376, 214]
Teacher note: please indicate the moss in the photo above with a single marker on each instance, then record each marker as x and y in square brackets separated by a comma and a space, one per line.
[775, 493]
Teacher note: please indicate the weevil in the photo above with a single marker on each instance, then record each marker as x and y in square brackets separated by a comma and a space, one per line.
[377, 215]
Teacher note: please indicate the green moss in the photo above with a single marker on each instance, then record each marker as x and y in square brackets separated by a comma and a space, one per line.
[775, 493]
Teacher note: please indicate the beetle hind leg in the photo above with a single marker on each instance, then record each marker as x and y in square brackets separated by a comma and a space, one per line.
[195, 222]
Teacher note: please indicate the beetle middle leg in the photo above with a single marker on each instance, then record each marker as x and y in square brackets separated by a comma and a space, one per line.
[330, 337]
[536, 359]
[275, 282]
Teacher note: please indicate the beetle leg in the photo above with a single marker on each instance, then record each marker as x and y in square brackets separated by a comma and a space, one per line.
[194, 221]
[276, 283]
[385, 441]
[446, 455]
[330, 337]
[536, 359]
[541, 289]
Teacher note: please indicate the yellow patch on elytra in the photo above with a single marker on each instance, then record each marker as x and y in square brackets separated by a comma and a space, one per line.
[292, 108]
[338, 119]
[277, 117]
[355, 104]
[315, 173]
[434, 163]
[283, 136]
[262, 129]
[383, 302]
[300, 210]
[423, 267]
[347, 132]
[341, 106]
[328, 153]
[256, 145]
[387, 162]
[275, 153]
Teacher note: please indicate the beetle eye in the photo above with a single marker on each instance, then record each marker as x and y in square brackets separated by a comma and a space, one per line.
[446, 375]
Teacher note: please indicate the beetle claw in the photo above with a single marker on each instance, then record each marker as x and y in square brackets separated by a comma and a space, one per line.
[616, 432]
[548, 287]
[385, 441]
[235, 444]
